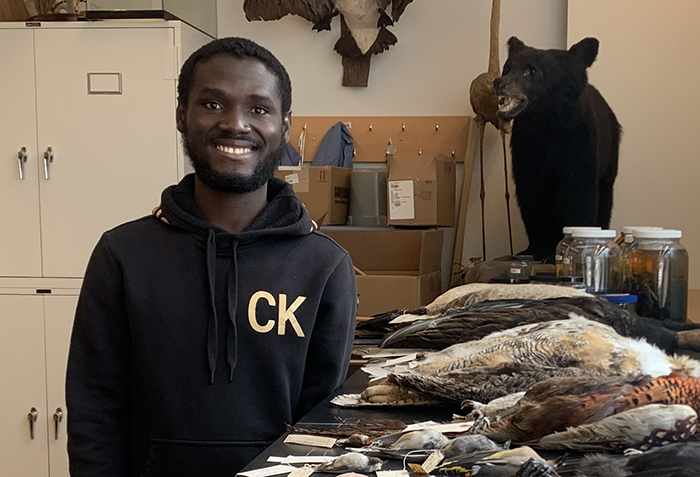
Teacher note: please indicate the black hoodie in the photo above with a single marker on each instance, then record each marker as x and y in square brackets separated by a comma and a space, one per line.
[192, 347]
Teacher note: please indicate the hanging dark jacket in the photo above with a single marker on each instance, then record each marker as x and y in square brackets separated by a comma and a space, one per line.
[192, 347]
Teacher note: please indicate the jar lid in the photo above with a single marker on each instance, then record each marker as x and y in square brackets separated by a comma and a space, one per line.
[629, 229]
[620, 298]
[569, 229]
[594, 234]
[658, 234]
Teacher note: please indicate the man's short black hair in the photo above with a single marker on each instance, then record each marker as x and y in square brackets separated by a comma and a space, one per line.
[240, 48]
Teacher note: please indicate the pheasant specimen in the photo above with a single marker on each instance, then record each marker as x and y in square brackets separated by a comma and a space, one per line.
[485, 105]
[557, 404]
[641, 428]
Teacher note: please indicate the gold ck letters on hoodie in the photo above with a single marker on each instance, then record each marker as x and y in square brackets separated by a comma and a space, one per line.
[284, 314]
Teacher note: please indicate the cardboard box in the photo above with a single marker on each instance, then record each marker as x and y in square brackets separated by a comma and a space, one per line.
[421, 191]
[324, 190]
[395, 268]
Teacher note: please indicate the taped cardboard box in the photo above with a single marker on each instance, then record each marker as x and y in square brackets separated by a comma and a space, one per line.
[324, 190]
[395, 268]
[421, 191]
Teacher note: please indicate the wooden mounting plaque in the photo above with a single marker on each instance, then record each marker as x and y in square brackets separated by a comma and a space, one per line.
[411, 135]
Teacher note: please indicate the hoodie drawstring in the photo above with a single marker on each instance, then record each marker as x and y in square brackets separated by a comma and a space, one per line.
[213, 324]
[212, 327]
[231, 330]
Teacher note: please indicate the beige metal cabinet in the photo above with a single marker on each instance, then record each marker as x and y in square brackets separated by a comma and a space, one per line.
[33, 353]
[88, 136]
[87, 141]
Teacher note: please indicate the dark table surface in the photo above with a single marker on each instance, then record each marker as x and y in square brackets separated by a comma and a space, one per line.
[328, 414]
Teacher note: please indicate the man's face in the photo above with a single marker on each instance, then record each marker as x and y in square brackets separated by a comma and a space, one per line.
[233, 127]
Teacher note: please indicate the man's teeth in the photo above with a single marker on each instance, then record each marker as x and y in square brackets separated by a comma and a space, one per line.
[234, 150]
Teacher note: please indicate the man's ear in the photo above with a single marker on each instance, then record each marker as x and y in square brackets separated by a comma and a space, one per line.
[287, 125]
[180, 115]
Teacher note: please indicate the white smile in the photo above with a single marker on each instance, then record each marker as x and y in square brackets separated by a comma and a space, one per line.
[238, 151]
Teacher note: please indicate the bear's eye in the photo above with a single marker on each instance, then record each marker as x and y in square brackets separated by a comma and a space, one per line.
[506, 69]
[529, 70]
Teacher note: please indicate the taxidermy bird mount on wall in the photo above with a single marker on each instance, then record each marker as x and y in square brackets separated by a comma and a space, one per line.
[363, 27]
[485, 105]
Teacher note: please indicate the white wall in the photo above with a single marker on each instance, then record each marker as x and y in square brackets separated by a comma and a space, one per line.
[443, 45]
[646, 71]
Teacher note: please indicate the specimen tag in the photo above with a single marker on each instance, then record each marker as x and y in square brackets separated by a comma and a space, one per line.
[305, 440]
[305, 471]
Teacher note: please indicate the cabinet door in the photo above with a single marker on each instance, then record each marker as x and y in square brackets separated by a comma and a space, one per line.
[20, 249]
[22, 374]
[58, 323]
[108, 114]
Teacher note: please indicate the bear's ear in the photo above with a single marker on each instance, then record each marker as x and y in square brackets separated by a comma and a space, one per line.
[585, 50]
[515, 45]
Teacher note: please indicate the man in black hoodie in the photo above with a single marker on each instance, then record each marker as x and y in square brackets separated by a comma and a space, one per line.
[204, 328]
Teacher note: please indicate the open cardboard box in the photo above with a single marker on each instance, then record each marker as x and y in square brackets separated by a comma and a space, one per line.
[395, 268]
[324, 190]
[421, 191]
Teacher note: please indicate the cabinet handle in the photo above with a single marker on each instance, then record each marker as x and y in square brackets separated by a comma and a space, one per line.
[22, 158]
[48, 159]
[57, 417]
[31, 417]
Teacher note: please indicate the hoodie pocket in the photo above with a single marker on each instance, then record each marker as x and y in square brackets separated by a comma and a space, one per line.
[170, 457]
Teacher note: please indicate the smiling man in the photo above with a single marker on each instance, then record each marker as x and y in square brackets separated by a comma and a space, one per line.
[203, 329]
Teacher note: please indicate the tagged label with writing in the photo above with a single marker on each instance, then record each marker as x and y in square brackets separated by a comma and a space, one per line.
[392, 473]
[401, 200]
[432, 461]
[292, 179]
[305, 471]
[314, 441]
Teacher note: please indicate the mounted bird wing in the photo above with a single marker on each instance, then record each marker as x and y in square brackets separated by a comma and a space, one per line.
[311, 10]
[397, 8]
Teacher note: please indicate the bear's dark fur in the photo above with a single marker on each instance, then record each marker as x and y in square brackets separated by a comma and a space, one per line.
[564, 144]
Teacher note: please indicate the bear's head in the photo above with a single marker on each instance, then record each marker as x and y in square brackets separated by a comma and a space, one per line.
[539, 80]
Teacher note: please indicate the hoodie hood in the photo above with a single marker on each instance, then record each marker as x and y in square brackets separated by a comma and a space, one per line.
[284, 214]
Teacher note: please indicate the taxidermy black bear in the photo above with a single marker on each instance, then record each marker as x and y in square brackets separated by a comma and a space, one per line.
[564, 144]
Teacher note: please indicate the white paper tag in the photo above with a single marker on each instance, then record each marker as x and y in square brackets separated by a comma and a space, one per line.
[392, 473]
[401, 200]
[452, 427]
[305, 471]
[401, 360]
[301, 459]
[268, 471]
[515, 271]
[432, 461]
[306, 440]
[292, 179]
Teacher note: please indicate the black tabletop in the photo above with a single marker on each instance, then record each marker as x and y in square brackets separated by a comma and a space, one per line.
[327, 414]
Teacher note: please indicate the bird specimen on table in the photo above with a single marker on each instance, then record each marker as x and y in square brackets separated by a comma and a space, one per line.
[363, 26]
[498, 463]
[641, 428]
[352, 462]
[557, 404]
[485, 105]
[591, 347]
[480, 319]
[467, 444]
[672, 460]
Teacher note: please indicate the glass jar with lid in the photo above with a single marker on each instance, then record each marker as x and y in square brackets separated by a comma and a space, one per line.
[657, 272]
[627, 235]
[594, 255]
[561, 266]
[521, 268]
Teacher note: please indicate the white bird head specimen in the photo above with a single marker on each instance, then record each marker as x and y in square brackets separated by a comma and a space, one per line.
[363, 26]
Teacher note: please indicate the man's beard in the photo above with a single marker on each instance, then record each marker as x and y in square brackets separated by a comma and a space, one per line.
[235, 183]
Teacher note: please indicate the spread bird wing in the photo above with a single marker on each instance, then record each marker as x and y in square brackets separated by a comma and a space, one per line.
[312, 10]
[397, 8]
